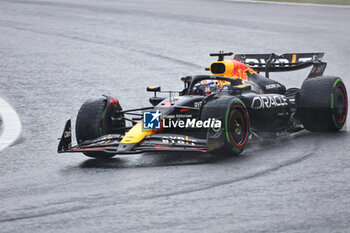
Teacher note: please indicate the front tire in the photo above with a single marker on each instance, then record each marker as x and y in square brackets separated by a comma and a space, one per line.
[94, 119]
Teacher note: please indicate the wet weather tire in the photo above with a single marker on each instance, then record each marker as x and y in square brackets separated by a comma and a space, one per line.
[233, 136]
[323, 104]
[94, 120]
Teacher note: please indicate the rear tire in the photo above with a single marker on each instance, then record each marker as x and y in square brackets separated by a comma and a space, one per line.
[323, 104]
[233, 136]
[94, 119]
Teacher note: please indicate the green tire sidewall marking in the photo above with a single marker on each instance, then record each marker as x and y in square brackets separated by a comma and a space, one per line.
[336, 82]
[226, 125]
[236, 150]
[104, 113]
[239, 102]
[335, 122]
[332, 103]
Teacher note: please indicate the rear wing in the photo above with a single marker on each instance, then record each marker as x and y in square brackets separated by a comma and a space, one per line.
[285, 62]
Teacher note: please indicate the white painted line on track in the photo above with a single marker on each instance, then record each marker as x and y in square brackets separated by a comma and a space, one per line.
[290, 3]
[11, 125]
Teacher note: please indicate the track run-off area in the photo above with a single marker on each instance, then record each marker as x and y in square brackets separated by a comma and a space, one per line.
[10, 125]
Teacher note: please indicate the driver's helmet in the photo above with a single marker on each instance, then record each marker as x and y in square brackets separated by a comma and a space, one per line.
[207, 87]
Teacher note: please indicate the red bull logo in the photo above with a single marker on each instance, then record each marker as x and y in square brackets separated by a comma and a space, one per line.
[231, 68]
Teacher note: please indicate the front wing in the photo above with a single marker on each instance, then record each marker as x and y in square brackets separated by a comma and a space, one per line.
[111, 143]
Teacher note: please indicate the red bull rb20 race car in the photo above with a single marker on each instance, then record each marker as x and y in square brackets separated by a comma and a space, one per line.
[217, 113]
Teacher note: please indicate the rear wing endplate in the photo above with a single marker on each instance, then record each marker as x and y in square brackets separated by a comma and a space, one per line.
[285, 62]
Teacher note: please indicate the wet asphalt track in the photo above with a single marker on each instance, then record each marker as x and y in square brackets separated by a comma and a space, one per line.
[56, 54]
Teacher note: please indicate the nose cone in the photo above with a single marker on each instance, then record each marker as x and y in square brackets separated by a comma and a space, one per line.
[124, 148]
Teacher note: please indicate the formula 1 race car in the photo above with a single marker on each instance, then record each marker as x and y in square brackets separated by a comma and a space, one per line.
[215, 113]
